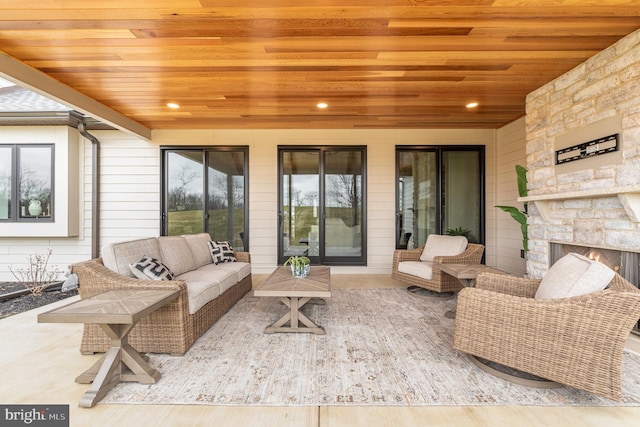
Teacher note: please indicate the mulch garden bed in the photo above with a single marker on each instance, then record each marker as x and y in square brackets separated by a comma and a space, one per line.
[29, 301]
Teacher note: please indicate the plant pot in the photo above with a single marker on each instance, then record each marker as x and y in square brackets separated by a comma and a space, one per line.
[300, 271]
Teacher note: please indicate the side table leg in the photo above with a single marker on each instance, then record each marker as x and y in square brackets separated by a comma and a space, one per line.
[112, 367]
[105, 380]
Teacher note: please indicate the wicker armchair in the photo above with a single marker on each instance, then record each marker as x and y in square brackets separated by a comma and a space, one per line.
[576, 341]
[439, 282]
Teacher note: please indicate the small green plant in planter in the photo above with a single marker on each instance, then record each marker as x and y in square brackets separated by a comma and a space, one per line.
[460, 231]
[300, 265]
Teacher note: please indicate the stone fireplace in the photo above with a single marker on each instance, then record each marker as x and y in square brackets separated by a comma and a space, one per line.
[592, 201]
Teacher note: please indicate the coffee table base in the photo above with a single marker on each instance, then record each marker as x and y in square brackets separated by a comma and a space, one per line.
[120, 363]
[294, 317]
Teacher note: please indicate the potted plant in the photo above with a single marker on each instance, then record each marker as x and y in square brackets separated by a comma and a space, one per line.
[300, 265]
[517, 214]
[460, 231]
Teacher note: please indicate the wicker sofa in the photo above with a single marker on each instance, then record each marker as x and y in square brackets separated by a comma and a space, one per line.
[207, 290]
[577, 341]
[438, 281]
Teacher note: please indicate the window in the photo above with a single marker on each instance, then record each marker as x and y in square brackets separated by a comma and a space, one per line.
[26, 182]
[205, 190]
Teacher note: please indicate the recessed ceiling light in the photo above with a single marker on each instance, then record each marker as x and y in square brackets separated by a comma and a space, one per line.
[173, 105]
[322, 105]
[472, 105]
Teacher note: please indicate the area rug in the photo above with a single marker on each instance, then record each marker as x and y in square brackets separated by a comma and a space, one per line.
[382, 347]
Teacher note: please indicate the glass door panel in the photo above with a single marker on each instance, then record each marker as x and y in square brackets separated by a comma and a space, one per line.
[343, 225]
[225, 201]
[462, 193]
[418, 209]
[185, 192]
[299, 215]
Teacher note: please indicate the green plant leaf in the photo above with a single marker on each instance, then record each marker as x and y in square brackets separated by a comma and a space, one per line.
[525, 237]
[521, 173]
[516, 214]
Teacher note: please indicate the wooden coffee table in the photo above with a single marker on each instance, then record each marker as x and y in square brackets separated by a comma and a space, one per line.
[295, 292]
[116, 312]
[466, 274]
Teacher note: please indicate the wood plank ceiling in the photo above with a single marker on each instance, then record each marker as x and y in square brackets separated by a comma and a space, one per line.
[266, 63]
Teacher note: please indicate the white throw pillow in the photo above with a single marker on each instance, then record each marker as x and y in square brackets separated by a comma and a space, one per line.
[574, 275]
[438, 245]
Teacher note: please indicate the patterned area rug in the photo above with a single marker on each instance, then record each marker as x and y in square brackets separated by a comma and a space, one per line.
[382, 347]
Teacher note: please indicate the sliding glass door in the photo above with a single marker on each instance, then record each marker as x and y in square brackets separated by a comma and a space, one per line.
[321, 212]
[205, 190]
[439, 190]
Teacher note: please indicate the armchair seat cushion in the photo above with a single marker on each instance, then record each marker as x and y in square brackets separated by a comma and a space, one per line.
[439, 245]
[574, 275]
[422, 269]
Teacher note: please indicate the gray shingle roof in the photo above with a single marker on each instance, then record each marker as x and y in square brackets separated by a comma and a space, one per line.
[17, 99]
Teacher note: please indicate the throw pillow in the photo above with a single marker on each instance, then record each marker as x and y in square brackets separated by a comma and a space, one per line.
[438, 245]
[221, 251]
[574, 275]
[151, 268]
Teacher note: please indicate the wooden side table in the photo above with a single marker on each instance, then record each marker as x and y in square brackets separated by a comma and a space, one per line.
[466, 274]
[116, 312]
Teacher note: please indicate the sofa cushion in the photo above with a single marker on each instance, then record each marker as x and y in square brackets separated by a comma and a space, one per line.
[241, 269]
[423, 269]
[117, 256]
[151, 268]
[199, 244]
[574, 275]
[176, 254]
[200, 290]
[199, 281]
[438, 245]
[221, 251]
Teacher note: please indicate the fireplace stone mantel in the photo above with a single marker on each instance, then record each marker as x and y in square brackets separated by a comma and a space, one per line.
[629, 197]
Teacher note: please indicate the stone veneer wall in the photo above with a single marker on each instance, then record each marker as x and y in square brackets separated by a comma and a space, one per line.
[604, 86]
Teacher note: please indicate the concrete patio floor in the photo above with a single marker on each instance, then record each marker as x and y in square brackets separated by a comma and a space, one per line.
[40, 361]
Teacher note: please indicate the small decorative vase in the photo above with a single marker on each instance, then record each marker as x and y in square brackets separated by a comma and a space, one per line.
[300, 271]
[35, 208]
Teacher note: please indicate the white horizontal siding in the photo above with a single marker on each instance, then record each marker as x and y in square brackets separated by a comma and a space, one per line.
[130, 188]
[511, 151]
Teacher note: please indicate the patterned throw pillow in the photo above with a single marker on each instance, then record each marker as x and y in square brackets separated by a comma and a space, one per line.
[221, 251]
[150, 268]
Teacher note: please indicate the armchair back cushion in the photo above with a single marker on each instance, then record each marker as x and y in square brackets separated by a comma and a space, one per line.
[574, 275]
[438, 245]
